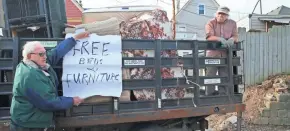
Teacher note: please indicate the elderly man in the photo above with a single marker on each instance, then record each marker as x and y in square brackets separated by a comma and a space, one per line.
[35, 96]
[224, 30]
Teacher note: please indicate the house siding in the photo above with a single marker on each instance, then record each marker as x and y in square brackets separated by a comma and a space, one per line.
[195, 23]
[73, 13]
[256, 24]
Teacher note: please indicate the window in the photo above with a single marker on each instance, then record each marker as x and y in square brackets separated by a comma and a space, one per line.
[201, 9]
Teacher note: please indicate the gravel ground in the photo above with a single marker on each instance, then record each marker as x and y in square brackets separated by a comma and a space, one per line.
[250, 127]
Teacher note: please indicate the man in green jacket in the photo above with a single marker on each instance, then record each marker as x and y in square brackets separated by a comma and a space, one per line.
[35, 96]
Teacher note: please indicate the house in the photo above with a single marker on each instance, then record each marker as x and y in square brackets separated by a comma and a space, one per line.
[73, 12]
[262, 22]
[192, 17]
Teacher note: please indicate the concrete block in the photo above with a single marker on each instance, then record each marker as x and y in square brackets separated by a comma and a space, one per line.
[286, 121]
[287, 105]
[262, 121]
[282, 113]
[283, 97]
[265, 112]
[275, 105]
[273, 113]
[276, 121]
[288, 112]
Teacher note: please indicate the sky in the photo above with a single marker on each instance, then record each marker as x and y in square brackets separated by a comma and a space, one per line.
[239, 8]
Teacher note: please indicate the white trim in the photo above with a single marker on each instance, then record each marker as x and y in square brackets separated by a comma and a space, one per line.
[77, 5]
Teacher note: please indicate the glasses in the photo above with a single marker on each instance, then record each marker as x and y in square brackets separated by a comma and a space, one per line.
[40, 54]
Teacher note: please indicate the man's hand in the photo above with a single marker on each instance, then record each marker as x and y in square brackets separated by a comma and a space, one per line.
[223, 41]
[230, 42]
[77, 100]
[82, 35]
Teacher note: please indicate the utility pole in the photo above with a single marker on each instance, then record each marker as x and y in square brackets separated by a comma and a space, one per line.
[261, 6]
[174, 19]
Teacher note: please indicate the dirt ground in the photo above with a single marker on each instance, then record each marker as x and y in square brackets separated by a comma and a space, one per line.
[254, 100]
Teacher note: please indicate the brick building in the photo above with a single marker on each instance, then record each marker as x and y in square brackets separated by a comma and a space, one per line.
[73, 12]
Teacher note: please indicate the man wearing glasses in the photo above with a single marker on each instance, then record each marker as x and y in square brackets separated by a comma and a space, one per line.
[35, 95]
[222, 29]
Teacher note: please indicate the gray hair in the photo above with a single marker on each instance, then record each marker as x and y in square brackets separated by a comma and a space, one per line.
[29, 47]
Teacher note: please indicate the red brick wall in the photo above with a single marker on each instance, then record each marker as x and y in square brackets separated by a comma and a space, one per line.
[73, 14]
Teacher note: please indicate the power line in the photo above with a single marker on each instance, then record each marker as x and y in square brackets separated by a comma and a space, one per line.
[242, 18]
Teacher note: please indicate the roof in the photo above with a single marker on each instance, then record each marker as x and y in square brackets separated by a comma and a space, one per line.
[188, 2]
[77, 5]
[281, 10]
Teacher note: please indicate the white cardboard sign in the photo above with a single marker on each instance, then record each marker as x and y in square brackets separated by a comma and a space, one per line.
[93, 67]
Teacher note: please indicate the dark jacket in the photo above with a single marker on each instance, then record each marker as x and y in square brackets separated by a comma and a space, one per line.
[35, 95]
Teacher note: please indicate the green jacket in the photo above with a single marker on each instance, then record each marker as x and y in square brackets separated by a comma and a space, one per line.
[35, 96]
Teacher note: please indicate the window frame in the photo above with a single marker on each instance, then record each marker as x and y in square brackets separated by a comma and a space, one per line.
[198, 9]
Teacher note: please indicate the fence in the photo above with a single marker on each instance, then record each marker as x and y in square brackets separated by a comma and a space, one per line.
[264, 53]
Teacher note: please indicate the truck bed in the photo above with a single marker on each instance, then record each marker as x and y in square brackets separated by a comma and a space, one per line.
[115, 111]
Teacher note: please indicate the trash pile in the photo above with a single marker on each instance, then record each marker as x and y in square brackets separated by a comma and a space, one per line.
[255, 98]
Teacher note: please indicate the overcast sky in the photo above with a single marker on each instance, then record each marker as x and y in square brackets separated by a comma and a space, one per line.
[239, 8]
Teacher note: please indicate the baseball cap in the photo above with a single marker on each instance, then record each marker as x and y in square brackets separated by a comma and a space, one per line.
[223, 9]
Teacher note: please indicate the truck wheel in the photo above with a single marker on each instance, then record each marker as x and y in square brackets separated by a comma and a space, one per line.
[203, 124]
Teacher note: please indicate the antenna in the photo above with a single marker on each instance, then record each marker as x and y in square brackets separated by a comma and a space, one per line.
[256, 6]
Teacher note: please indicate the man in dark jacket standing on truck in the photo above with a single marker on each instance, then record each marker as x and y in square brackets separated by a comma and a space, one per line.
[222, 29]
[35, 96]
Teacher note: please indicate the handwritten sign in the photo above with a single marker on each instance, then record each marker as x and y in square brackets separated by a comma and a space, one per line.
[93, 67]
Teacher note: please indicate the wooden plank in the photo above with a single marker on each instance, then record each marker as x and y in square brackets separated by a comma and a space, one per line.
[288, 48]
[275, 51]
[252, 57]
[247, 59]
[257, 58]
[261, 44]
[279, 49]
[270, 54]
[266, 56]
[283, 48]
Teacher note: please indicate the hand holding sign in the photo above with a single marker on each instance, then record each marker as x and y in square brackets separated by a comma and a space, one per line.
[82, 35]
[77, 101]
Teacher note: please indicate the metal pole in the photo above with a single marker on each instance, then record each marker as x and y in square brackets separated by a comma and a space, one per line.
[255, 6]
[261, 6]
[46, 18]
[7, 24]
[174, 19]
[239, 121]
